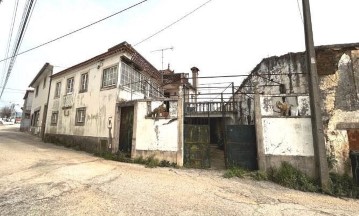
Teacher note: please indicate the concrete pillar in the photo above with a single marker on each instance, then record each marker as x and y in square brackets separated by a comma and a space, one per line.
[180, 119]
[259, 134]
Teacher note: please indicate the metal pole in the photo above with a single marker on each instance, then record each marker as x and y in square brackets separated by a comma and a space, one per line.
[233, 99]
[316, 116]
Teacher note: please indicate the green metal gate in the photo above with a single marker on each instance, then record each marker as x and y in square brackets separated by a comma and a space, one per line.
[196, 146]
[126, 129]
[241, 147]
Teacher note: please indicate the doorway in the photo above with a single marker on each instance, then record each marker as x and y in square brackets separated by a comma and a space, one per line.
[126, 130]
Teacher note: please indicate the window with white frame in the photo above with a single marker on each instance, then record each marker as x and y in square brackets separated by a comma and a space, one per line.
[84, 82]
[80, 116]
[109, 77]
[58, 89]
[131, 78]
[70, 85]
[54, 118]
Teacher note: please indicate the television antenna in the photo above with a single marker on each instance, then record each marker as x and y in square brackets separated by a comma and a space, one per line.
[163, 49]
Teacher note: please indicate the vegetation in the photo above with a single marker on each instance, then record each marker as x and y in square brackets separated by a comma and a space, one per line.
[149, 162]
[343, 186]
[5, 112]
[288, 176]
[242, 173]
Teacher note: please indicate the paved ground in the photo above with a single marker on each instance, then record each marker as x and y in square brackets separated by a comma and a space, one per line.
[43, 179]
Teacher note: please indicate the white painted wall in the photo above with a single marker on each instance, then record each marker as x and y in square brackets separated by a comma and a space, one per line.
[100, 103]
[39, 99]
[155, 134]
[288, 136]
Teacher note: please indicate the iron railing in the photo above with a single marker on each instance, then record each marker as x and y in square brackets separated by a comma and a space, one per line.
[67, 101]
[211, 107]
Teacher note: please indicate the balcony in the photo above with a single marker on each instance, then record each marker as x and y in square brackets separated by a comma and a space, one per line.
[67, 101]
[209, 107]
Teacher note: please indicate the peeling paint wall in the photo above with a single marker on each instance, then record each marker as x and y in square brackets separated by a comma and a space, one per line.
[340, 109]
[288, 136]
[299, 105]
[155, 133]
[273, 75]
[100, 103]
[157, 136]
[338, 69]
[39, 100]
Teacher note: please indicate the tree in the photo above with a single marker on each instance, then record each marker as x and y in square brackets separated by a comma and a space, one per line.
[5, 112]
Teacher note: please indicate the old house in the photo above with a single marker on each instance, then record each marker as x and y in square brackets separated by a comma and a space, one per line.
[41, 85]
[26, 111]
[282, 115]
[115, 102]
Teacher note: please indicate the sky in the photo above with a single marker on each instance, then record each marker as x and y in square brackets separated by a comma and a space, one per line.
[224, 37]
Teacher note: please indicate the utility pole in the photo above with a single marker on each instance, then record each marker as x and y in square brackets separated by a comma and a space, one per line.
[316, 116]
[164, 49]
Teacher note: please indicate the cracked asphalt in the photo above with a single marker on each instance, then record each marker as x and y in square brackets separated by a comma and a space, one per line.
[43, 179]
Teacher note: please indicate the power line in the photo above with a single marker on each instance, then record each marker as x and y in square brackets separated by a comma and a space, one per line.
[300, 12]
[72, 32]
[168, 26]
[9, 40]
[30, 4]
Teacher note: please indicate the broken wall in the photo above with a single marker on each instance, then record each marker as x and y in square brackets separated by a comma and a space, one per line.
[157, 135]
[340, 107]
[285, 138]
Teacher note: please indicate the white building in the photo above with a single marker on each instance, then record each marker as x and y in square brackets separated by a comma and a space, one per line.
[41, 84]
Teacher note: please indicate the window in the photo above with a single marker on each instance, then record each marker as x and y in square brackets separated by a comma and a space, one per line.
[84, 82]
[44, 85]
[80, 116]
[58, 89]
[37, 91]
[54, 118]
[35, 120]
[70, 86]
[109, 77]
[130, 78]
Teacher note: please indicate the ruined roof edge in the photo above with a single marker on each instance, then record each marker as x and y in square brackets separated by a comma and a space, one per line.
[317, 48]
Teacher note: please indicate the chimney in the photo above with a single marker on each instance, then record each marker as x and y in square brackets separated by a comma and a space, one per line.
[195, 81]
[195, 77]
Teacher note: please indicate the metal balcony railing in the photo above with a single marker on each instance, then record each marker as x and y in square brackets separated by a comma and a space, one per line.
[67, 101]
[211, 107]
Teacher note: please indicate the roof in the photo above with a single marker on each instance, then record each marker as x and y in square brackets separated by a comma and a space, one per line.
[176, 78]
[136, 58]
[40, 73]
[27, 93]
[167, 72]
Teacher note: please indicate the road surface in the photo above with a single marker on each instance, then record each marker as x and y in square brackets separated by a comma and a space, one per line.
[43, 179]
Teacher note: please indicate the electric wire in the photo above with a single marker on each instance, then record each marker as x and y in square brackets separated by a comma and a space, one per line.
[300, 12]
[21, 32]
[77, 30]
[9, 40]
[168, 26]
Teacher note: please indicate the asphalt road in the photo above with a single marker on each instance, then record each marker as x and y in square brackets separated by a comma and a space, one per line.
[43, 179]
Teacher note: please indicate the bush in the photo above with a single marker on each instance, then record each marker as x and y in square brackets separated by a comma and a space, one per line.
[259, 175]
[152, 162]
[289, 176]
[343, 185]
[234, 172]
